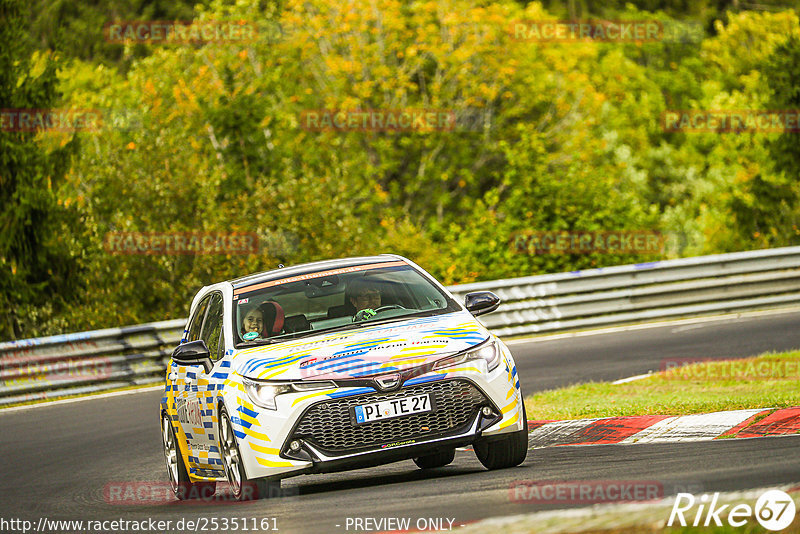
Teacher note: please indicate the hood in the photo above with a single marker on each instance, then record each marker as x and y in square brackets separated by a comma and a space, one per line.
[363, 352]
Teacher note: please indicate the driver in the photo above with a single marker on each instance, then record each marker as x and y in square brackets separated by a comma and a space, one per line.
[365, 298]
[365, 295]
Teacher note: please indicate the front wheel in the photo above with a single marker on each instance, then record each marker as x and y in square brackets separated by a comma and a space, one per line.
[179, 481]
[243, 489]
[507, 451]
[438, 459]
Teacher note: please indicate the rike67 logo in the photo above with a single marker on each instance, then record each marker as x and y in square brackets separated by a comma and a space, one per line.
[774, 510]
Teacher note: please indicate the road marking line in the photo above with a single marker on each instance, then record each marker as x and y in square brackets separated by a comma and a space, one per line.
[631, 378]
[79, 399]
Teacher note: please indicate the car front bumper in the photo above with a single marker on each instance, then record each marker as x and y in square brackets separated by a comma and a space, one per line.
[265, 435]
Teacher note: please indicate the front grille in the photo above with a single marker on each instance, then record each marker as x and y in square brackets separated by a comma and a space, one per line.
[327, 425]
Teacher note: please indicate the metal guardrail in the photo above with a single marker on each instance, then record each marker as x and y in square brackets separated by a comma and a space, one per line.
[86, 362]
[94, 361]
[645, 291]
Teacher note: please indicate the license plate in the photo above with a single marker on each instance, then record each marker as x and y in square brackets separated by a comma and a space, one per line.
[377, 411]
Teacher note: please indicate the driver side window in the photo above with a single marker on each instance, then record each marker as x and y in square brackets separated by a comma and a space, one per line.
[212, 328]
[197, 319]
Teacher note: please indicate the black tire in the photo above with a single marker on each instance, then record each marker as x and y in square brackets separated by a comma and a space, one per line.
[438, 459]
[508, 451]
[182, 487]
[243, 488]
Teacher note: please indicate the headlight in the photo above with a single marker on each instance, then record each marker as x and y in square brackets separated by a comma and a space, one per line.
[309, 385]
[263, 392]
[488, 351]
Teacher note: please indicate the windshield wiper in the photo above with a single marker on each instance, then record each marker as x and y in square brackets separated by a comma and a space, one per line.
[255, 342]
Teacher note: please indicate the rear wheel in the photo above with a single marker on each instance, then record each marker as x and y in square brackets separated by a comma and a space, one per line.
[182, 487]
[507, 451]
[243, 489]
[438, 459]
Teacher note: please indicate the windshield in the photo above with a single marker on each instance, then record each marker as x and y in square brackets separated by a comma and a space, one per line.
[291, 307]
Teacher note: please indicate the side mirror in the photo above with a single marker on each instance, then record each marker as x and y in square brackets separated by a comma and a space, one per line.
[481, 302]
[193, 353]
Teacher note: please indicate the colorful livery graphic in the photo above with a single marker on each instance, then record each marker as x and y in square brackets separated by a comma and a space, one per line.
[331, 366]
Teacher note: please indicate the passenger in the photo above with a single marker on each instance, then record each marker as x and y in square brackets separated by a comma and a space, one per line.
[253, 322]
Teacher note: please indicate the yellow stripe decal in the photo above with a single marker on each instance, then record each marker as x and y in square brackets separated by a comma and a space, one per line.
[266, 450]
[312, 395]
[258, 435]
[271, 463]
[510, 421]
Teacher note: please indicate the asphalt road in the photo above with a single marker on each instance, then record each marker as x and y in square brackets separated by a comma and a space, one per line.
[66, 461]
[547, 364]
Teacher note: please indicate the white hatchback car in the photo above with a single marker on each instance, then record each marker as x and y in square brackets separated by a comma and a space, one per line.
[330, 366]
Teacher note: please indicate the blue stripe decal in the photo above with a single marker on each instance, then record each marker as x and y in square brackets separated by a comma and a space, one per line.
[423, 379]
[247, 411]
[273, 363]
[357, 391]
[340, 363]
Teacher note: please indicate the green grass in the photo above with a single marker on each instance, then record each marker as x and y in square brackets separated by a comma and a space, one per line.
[768, 381]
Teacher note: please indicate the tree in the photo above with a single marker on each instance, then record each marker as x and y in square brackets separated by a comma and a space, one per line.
[776, 213]
[36, 265]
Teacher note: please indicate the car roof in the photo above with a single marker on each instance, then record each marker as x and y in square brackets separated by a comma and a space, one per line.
[312, 267]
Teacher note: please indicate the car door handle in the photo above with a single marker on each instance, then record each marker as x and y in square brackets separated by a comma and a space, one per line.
[172, 377]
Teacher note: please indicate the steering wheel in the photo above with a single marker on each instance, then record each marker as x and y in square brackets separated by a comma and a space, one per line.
[369, 313]
[390, 307]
